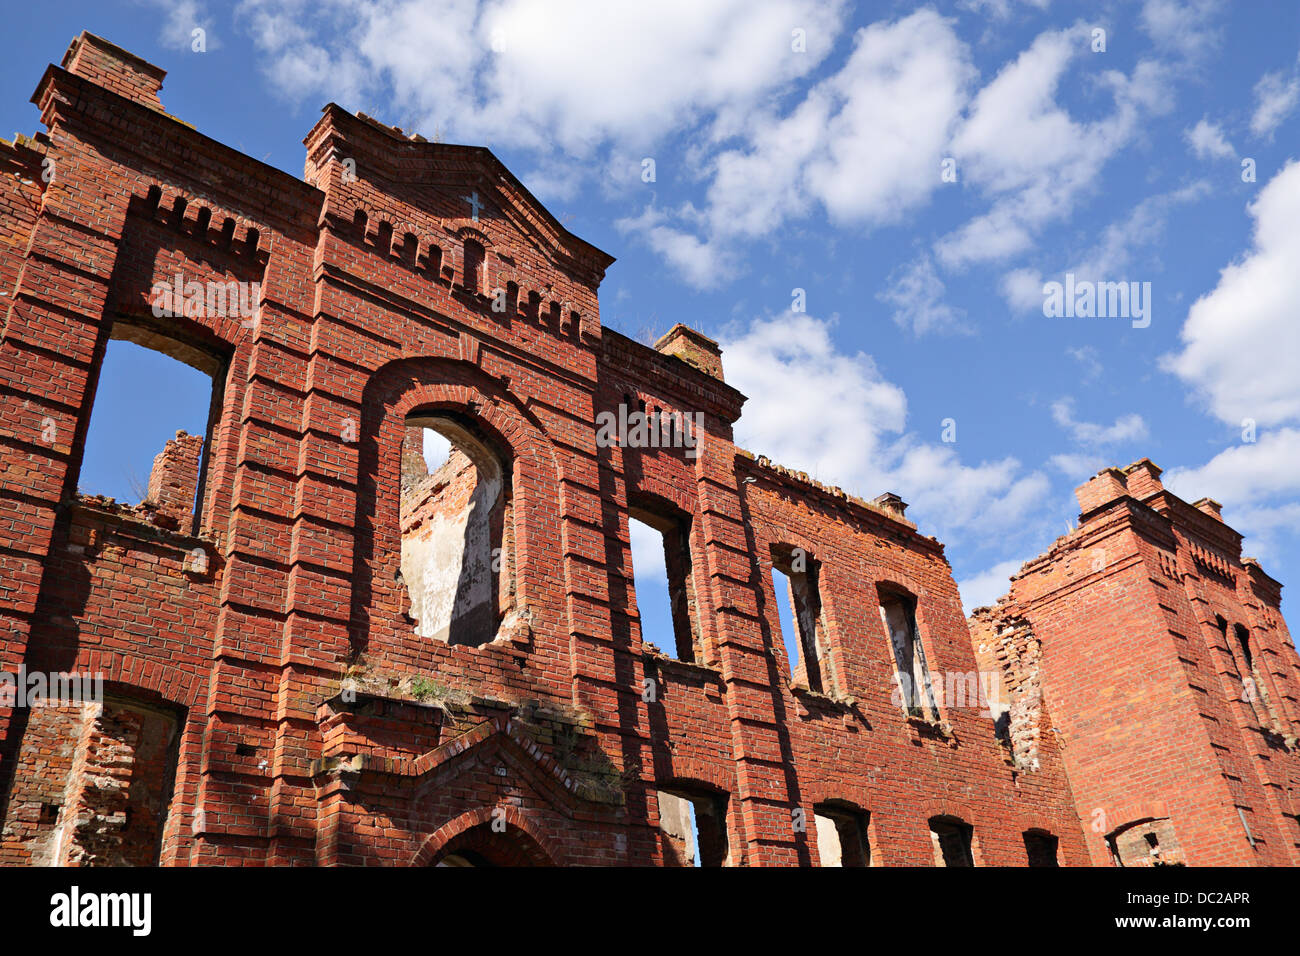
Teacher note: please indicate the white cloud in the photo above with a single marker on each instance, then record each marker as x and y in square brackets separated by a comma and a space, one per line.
[180, 19]
[1078, 467]
[1089, 358]
[916, 293]
[833, 415]
[1000, 9]
[1027, 153]
[1023, 289]
[1245, 473]
[1182, 26]
[1276, 95]
[1257, 483]
[864, 145]
[578, 74]
[1240, 340]
[699, 263]
[1111, 258]
[984, 589]
[1207, 141]
[1129, 427]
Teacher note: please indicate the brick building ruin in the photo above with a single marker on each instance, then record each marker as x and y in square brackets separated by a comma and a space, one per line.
[314, 650]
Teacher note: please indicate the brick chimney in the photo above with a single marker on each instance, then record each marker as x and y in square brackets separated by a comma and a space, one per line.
[115, 69]
[1143, 478]
[693, 348]
[1106, 486]
[175, 477]
[1211, 507]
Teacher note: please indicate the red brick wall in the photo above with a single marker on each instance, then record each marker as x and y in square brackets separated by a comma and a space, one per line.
[1144, 687]
[317, 727]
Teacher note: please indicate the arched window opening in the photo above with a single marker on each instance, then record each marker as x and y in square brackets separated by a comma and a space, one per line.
[474, 259]
[1145, 843]
[953, 841]
[1041, 847]
[912, 674]
[457, 531]
[841, 835]
[693, 828]
[795, 581]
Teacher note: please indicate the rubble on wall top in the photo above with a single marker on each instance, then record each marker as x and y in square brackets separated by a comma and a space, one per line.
[882, 505]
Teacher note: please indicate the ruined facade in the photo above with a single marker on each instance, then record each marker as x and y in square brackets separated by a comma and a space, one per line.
[315, 650]
[1171, 677]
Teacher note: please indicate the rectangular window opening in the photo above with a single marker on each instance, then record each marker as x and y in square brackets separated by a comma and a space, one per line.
[898, 614]
[1041, 848]
[661, 580]
[798, 600]
[155, 408]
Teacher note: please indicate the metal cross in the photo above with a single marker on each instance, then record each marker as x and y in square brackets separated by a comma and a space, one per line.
[474, 204]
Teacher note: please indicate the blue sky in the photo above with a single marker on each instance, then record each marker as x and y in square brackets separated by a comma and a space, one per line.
[801, 146]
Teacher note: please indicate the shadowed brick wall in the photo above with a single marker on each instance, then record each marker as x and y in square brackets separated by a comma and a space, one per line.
[399, 282]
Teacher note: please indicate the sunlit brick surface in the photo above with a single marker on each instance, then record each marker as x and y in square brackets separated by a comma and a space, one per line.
[402, 279]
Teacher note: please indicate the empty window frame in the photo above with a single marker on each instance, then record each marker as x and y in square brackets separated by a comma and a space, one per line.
[1145, 843]
[1254, 687]
[1041, 847]
[133, 449]
[841, 835]
[952, 840]
[662, 580]
[693, 828]
[475, 257]
[457, 562]
[911, 673]
[795, 582]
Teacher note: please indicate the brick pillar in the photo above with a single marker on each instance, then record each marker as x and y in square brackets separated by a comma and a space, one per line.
[175, 477]
[116, 69]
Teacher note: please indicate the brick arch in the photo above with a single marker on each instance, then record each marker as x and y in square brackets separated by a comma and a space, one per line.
[847, 795]
[647, 486]
[689, 773]
[127, 671]
[472, 830]
[445, 384]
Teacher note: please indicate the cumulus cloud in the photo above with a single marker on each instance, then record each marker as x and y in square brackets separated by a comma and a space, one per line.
[1001, 9]
[1276, 95]
[833, 415]
[985, 587]
[180, 18]
[1183, 27]
[1110, 259]
[1022, 149]
[1129, 427]
[1240, 340]
[863, 146]
[916, 293]
[1245, 473]
[579, 74]
[1207, 141]
[1258, 484]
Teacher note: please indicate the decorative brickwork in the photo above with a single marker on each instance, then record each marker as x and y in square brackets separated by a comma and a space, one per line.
[344, 695]
[1170, 676]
